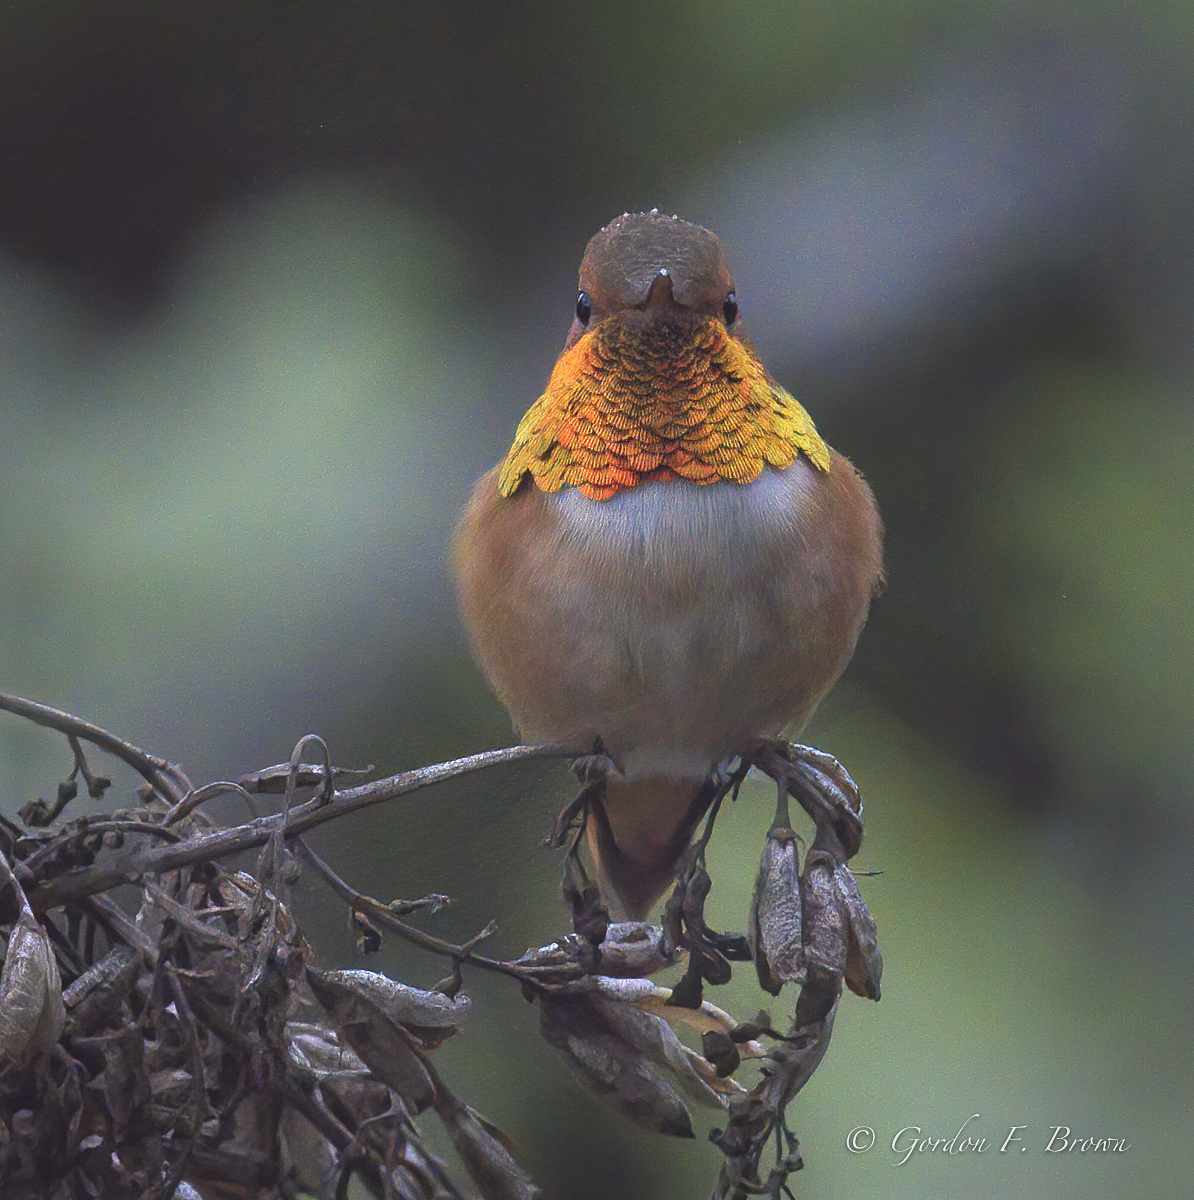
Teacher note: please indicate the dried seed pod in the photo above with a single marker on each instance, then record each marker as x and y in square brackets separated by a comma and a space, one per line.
[632, 948]
[775, 930]
[430, 1016]
[95, 998]
[318, 1050]
[719, 1049]
[31, 1009]
[482, 1149]
[864, 963]
[652, 1000]
[824, 917]
[657, 1042]
[383, 1043]
[656, 1001]
[643, 992]
[609, 1068]
[824, 940]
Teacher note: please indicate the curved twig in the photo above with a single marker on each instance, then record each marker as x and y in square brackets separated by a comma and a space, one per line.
[164, 777]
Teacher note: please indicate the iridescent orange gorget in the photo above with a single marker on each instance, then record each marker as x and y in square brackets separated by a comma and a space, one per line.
[676, 398]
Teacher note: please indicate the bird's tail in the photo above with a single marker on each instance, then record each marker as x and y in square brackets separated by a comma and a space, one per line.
[637, 832]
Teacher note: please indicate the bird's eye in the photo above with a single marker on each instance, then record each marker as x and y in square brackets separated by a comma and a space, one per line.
[584, 308]
[729, 309]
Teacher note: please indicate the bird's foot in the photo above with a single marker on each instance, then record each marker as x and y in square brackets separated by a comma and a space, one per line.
[684, 926]
[590, 768]
[823, 788]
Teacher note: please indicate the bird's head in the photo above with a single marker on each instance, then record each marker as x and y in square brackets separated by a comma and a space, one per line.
[655, 382]
[654, 265]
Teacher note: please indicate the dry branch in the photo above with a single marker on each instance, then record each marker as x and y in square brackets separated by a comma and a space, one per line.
[195, 1051]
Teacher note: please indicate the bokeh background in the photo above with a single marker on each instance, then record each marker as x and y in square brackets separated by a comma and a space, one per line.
[276, 282]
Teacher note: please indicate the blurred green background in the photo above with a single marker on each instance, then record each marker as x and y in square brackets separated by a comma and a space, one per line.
[277, 282]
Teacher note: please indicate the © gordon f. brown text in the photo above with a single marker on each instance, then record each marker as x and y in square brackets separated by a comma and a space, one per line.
[969, 1138]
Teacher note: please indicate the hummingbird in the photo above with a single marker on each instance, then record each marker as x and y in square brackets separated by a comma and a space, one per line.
[670, 562]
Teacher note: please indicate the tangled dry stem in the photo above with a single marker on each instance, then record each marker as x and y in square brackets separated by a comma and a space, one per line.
[193, 1051]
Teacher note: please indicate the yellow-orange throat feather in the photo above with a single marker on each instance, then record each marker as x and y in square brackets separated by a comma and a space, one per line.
[678, 399]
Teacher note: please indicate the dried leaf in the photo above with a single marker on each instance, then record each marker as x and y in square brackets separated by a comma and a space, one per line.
[590, 914]
[719, 1050]
[31, 1009]
[205, 934]
[171, 1087]
[126, 1085]
[417, 1174]
[306, 1154]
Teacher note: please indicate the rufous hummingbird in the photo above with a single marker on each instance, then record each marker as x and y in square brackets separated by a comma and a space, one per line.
[669, 559]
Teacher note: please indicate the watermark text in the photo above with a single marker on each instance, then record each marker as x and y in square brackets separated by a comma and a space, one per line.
[970, 1137]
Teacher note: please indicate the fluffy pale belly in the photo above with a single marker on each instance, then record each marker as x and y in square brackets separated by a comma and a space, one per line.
[674, 621]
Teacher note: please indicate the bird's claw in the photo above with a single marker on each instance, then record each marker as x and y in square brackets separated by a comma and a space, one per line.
[597, 766]
[824, 790]
[831, 772]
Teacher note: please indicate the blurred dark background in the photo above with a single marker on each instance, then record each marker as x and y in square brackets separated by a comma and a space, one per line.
[276, 283]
